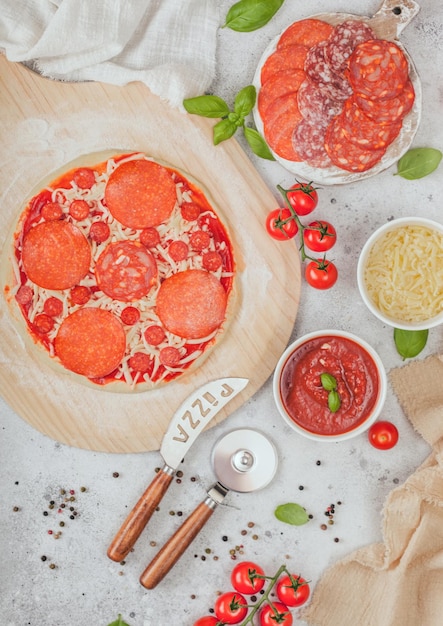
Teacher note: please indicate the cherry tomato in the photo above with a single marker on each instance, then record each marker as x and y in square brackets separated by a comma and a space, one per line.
[321, 274]
[383, 435]
[320, 236]
[208, 620]
[231, 607]
[293, 590]
[281, 224]
[275, 613]
[245, 578]
[303, 198]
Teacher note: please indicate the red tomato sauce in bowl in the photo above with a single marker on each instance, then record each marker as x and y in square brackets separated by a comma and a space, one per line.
[360, 384]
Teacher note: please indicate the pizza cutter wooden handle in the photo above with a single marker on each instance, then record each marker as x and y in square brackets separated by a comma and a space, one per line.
[177, 544]
[140, 515]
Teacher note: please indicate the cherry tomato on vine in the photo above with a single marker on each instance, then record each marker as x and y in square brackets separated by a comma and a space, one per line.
[321, 274]
[303, 198]
[246, 578]
[319, 236]
[293, 590]
[208, 620]
[275, 613]
[281, 224]
[383, 435]
[231, 607]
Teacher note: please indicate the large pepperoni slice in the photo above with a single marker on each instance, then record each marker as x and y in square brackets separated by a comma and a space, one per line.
[191, 304]
[56, 255]
[288, 58]
[126, 271]
[279, 84]
[378, 69]
[315, 105]
[306, 32]
[140, 194]
[342, 41]
[282, 117]
[387, 111]
[347, 155]
[91, 342]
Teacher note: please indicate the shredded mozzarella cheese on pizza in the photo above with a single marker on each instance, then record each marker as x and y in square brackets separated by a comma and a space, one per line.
[404, 273]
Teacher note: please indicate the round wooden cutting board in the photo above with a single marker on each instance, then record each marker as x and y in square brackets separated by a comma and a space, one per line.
[388, 23]
[44, 125]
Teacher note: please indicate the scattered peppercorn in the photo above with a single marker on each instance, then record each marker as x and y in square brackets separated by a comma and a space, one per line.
[52, 566]
[45, 513]
[115, 474]
[318, 463]
[301, 487]
[336, 539]
[15, 509]
[224, 538]
[43, 558]
[323, 527]
[251, 524]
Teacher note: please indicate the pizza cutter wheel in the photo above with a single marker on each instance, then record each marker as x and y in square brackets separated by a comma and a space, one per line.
[244, 460]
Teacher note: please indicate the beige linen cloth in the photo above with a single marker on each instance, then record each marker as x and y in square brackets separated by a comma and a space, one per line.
[398, 582]
[169, 45]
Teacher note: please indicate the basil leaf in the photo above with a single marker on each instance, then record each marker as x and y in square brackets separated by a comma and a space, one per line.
[291, 513]
[418, 163]
[257, 144]
[224, 129]
[409, 343]
[119, 622]
[328, 381]
[248, 15]
[206, 106]
[245, 100]
[334, 401]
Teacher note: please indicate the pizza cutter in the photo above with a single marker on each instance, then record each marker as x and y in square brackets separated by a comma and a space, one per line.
[244, 460]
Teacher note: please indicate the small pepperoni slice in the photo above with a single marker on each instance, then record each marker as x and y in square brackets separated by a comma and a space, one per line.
[169, 356]
[378, 69]
[56, 255]
[79, 210]
[212, 261]
[80, 294]
[390, 110]
[190, 211]
[53, 306]
[130, 315]
[52, 211]
[24, 295]
[178, 251]
[281, 119]
[140, 362]
[43, 323]
[154, 335]
[150, 237]
[91, 342]
[126, 271]
[306, 32]
[288, 58]
[140, 194]
[199, 240]
[191, 304]
[99, 232]
[280, 84]
[84, 177]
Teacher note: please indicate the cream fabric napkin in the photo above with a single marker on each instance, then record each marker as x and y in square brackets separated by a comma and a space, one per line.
[398, 582]
[169, 45]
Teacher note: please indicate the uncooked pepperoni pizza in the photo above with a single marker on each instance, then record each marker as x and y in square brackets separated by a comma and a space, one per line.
[333, 97]
[122, 271]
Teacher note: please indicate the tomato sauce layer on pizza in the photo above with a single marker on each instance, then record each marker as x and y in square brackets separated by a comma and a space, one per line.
[123, 272]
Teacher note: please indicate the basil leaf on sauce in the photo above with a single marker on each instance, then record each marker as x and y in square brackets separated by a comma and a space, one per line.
[291, 513]
[248, 15]
[418, 162]
[328, 381]
[334, 401]
[206, 106]
[410, 343]
[257, 144]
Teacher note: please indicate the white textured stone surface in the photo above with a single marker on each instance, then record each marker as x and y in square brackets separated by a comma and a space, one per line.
[86, 587]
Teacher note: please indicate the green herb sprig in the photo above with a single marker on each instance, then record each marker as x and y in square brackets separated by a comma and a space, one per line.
[291, 513]
[410, 343]
[329, 383]
[418, 162]
[215, 107]
[248, 15]
[118, 622]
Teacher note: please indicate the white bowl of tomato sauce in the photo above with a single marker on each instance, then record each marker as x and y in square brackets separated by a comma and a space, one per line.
[330, 385]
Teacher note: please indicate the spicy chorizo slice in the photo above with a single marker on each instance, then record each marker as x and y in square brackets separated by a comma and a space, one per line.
[126, 271]
[56, 255]
[91, 342]
[191, 304]
[140, 194]
[306, 32]
[347, 155]
[390, 110]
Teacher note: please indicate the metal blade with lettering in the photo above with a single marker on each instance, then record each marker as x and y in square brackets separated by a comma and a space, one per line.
[193, 415]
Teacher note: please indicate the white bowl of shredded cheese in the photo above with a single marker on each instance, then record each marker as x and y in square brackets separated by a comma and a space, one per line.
[400, 273]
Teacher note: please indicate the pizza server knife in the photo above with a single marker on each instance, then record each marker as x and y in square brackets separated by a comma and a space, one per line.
[192, 416]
